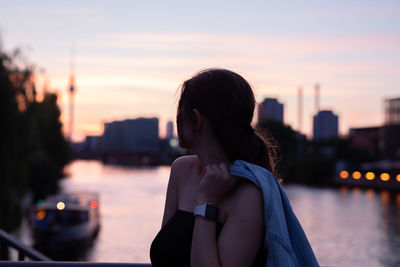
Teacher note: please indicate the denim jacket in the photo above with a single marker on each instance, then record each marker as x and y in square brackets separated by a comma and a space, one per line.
[285, 239]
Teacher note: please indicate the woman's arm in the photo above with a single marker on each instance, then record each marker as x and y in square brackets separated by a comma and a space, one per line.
[181, 168]
[244, 230]
[204, 250]
[242, 234]
[171, 201]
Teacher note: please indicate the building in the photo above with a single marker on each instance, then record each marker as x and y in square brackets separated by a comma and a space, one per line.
[390, 141]
[368, 140]
[270, 109]
[392, 111]
[92, 143]
[132, 135]
[170, 130]
[391, 129]
[325, 125]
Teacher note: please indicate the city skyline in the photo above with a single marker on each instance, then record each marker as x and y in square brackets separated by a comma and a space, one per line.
[131, 57]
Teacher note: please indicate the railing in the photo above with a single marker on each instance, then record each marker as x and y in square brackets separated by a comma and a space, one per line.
[68, 264]
[6, 241]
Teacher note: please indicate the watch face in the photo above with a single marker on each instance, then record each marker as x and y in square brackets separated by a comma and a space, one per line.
[211, 212]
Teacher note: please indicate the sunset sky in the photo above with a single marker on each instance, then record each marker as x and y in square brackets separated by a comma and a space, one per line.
[131, 56]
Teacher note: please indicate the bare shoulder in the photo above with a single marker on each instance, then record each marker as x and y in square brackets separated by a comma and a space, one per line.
[179, 172]
[249, 189]
[248, 198]
[189, 161]
[183, 166]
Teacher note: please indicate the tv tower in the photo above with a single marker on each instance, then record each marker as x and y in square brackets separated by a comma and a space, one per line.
[71, 93]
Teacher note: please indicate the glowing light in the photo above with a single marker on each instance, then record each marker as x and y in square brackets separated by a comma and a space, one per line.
[94, 204]
[356, 175]
[385, 177]
[173, 142]
[40, 214]
[344, 174]
[60, 205]
[40, 202]
[370, 176]
[398, 177]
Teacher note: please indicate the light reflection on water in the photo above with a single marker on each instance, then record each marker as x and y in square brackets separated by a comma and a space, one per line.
[346, 227]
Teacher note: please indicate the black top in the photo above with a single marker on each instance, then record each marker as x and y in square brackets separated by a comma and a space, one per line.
[172, 245]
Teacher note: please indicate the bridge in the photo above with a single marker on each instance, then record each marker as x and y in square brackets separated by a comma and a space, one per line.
[38, 259]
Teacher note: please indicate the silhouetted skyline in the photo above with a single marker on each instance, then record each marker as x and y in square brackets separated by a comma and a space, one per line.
[131, 57]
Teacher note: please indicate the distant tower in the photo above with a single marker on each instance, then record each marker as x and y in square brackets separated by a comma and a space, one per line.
[300, 109]
[71, 93]
[170, 130]
[317, 93]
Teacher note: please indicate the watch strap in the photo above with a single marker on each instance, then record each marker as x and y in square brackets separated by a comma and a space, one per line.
[207, 211]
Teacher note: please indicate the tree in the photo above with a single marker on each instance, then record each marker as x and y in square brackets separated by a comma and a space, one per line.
[51, 151]
[13, 140]
[33, 150]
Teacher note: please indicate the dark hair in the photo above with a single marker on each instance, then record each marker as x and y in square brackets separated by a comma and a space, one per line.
[226, 99]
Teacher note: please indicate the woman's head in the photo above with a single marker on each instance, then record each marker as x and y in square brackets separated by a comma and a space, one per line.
[227, 101]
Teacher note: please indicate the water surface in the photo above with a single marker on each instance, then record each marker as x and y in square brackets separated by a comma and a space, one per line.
[346, 227]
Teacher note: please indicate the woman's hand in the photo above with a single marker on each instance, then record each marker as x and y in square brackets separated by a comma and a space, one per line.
[215, 184]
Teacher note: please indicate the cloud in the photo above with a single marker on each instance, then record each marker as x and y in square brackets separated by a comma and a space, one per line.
[119, 71]
[241, 42]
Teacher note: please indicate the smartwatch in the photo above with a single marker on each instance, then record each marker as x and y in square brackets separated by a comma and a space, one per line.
[207, 211]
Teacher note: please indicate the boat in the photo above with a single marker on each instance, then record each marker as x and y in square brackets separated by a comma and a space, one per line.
[65, 221]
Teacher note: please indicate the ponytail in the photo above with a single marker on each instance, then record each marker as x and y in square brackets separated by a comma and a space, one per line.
[247, 144]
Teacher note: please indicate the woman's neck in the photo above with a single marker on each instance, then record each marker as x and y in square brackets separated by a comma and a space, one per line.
[211, 152]
[207, 147]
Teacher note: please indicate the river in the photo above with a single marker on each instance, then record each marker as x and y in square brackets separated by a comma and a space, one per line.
[346, 227]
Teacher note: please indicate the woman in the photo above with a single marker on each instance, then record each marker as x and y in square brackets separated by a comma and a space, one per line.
[212, 216]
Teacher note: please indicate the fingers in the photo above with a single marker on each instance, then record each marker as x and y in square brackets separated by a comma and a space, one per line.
[216, 183]
[218, 170]
[224, 170]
